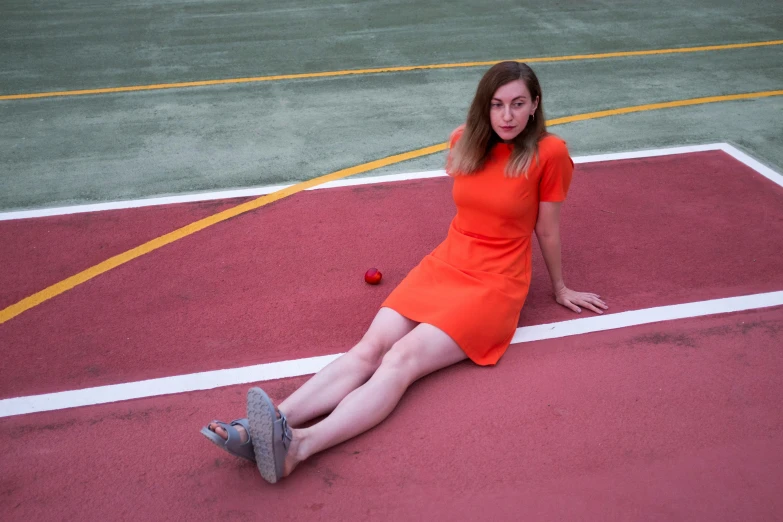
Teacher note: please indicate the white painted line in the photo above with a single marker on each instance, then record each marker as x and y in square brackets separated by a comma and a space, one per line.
[759, 167]
[207, 196]
[602, 323]
[307, 366]
[649, 153]
[365, 180]
[370, 180]
[162, 386]
[138, 203]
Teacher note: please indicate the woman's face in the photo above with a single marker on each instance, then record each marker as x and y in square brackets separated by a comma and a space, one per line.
[510, 109]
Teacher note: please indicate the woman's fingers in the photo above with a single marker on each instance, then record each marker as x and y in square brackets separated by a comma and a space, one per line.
[590, 306]
[568, 304]
[593, 304]
[574, 300]
[594, 309]
[594, 298]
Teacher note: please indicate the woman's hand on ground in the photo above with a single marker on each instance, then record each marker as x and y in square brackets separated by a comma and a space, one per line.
[574, 300]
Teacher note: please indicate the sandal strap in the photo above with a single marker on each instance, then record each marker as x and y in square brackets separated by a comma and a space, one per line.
[233, 443]
[286, 431]
[245, 423]
[282, 435]
[231, 431]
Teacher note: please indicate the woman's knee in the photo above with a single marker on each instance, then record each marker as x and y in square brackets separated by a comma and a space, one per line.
[369, 352]
[423, 351]
[401, 357]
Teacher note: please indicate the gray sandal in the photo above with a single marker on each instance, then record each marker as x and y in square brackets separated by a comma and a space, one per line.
[233, 444]
[271, 436]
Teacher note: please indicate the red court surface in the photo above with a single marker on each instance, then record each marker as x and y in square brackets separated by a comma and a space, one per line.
[675, 421]
[678, 420]
[285, 281]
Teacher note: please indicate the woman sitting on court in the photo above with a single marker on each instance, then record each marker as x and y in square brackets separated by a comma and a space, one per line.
[462, 301]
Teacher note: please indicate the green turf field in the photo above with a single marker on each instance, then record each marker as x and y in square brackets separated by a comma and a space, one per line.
[60, 150]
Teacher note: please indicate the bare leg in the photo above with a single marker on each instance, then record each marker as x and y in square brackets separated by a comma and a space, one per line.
[324, 391]
[424, 350]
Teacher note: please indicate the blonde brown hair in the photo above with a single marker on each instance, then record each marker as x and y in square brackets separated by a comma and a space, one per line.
[478, 138]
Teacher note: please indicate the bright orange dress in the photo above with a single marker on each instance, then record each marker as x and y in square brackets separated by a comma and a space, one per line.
[474, 284]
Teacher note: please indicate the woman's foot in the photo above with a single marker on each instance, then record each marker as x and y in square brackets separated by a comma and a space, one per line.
[295, 454]
[216, 428]
[231, 437]
[278, 448]
[292, 458]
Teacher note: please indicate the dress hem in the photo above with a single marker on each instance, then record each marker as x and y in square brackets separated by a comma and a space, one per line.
[411, 317]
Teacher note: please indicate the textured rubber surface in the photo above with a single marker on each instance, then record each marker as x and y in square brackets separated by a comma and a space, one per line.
[261, 413]
[677, 421]
[245, 291]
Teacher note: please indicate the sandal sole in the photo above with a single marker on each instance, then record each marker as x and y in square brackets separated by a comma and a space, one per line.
[261, 413]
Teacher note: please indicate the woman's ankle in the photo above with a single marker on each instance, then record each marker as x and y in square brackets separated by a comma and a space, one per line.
[298, 450]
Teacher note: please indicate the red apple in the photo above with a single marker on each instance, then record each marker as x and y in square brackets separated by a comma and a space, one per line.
[373, 276]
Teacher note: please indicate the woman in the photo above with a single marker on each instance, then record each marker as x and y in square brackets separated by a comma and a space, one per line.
[462, 301]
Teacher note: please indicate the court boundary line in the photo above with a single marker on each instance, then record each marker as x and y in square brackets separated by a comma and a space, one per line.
[385, 70]
[196, 197]
[208, 380]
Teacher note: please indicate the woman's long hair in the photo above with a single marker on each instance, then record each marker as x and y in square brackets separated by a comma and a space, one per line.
[478, 138]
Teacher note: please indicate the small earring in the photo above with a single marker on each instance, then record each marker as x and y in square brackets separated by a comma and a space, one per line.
[533, 116]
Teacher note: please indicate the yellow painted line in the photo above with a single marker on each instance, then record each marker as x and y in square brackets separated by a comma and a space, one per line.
[664, 105]
[350, 72]
[113, 262]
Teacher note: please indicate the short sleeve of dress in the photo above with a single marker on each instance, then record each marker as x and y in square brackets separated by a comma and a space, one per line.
[557, 171]
[455, 135]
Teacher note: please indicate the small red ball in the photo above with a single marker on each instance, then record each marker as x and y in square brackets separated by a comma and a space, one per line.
[373, 276]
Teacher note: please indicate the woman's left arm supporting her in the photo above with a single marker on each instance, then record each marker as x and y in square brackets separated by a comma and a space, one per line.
[548, 234]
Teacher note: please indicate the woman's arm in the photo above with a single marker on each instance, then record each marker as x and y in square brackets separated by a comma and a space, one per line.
[548, 234]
